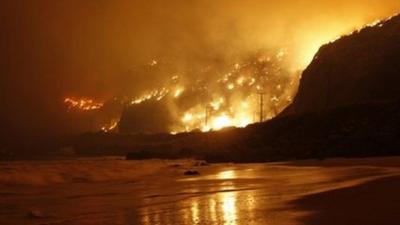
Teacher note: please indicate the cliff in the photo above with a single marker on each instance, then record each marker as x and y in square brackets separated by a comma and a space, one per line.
[363, 67]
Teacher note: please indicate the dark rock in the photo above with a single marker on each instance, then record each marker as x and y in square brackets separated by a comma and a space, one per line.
[191, 173]
[356, 69]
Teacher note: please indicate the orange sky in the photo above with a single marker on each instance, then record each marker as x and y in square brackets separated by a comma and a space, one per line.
[51, 49]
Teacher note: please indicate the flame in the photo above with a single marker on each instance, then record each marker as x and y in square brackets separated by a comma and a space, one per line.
[110, 127]
[221, 122]
[254, 88]
[82, 104]
[231, 99]
[240, 81]
[230, 86]
[216, 105]
[216, 117]
[187, 117]
[178, 92]
[153, 62]
[157, 94]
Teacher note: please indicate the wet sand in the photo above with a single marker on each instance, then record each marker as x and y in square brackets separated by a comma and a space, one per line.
[372, 203]
[114, 191]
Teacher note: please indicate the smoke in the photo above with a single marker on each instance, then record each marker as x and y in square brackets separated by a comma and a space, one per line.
[102, 49]
[253, 89]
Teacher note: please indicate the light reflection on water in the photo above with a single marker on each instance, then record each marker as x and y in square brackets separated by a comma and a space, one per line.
[195, 212]
[227, 174]
[221, 195]
[146, 218]
[228, 207]
[228, 199]
[225, 206]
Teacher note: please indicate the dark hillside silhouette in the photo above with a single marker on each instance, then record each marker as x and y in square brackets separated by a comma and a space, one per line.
[363, 67]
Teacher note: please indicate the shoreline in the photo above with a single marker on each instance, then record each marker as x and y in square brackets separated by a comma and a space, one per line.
[369, 203]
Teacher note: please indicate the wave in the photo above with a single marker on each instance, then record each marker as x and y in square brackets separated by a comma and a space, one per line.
[79, 170]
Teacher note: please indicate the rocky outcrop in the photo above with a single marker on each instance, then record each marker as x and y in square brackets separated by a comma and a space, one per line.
[363, 67]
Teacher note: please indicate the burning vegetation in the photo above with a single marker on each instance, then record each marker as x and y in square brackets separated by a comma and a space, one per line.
[254, 89]
[233, 95]
[100, 116]
[82, 104]
[211, 95]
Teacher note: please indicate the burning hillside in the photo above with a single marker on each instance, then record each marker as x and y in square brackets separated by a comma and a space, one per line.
[99, 116]
[209, 94]
[347, 105]
[235, 95]
[82, 104]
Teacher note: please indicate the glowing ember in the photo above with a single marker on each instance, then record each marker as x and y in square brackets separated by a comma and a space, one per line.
[153, 62]
[110, 127]
[221, 122]
[155, 94]
[240, 81]
[82, 104]
[216, 105]
[246, 92]
[187, 117]
[178, 92]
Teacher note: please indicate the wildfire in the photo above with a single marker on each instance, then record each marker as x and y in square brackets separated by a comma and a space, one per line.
[109, 127]
[240, 114]
[187, 117]
[178, 92]
[82, 104]
[253, 88]
[249, 91]
[155, 94]
[216, 105]
[153, 62]
[230, 86]
[221, 122]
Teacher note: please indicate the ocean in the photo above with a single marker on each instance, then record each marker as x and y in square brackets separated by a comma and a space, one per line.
[112, 190]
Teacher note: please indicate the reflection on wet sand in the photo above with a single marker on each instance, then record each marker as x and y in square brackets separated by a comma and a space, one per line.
[221, 206]
[228, 199]
[227, 174]
[245, 194]
[146, 218]
[238, 195]
[195, 212]
[228, 207]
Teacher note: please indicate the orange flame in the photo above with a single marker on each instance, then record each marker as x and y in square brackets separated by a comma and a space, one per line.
[82, 104]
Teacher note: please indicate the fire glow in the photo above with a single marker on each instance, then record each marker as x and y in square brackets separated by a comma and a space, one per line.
[109, 127]
[82, 104]
[234, 93]
[156, 94]
[252, 90]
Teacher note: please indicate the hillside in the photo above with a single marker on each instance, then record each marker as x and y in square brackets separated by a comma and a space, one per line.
[359, 68]
[348, 105]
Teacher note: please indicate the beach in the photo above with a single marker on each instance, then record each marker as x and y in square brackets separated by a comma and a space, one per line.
[112, 190]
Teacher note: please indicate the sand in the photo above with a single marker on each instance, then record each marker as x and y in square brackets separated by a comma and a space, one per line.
[115, 191]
